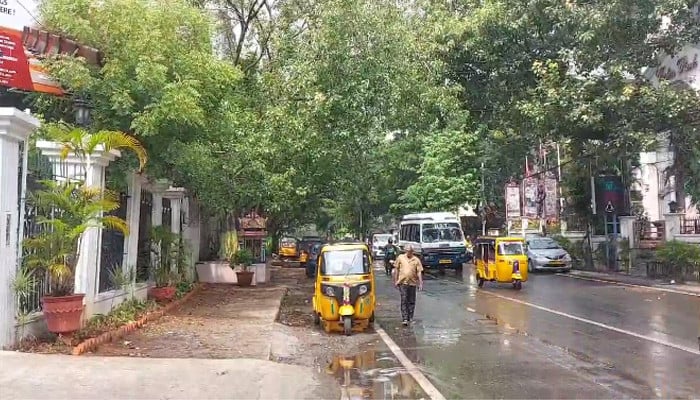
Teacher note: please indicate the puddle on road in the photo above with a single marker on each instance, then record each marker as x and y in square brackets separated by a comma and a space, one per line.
[373, 374]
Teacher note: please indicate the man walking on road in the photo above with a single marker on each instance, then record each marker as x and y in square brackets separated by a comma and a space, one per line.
[407, 274]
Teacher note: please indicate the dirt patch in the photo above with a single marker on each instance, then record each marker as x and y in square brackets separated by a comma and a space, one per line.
[221, 321]
[296, 340]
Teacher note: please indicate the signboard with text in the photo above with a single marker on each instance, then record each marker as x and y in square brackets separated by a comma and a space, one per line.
[610, 195]
[14, 66]
[19, 68]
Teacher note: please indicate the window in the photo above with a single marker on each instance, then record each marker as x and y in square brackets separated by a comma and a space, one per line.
[543, 244]
[510, 249]
[410, 233]
[443, 232]
[344, 262]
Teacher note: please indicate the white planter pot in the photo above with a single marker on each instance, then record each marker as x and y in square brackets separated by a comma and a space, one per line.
[220, 272]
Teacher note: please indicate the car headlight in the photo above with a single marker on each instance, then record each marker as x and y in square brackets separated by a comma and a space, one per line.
[364, 289]
[542, 260]
[328, 291]
[567, 257]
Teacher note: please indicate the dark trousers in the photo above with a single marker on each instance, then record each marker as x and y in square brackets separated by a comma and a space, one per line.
[408, 301]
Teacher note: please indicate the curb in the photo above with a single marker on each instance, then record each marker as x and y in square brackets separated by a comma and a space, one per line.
[274, 320]
[651, 286]
[93, 343]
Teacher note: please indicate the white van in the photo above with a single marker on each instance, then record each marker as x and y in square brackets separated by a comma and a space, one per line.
[436, 237]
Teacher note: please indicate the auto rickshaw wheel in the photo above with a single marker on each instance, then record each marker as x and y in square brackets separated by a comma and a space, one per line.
[459, 267]
[347, 326]
[317, 319]
[479, 280]
[371, 318]
[441, 270]
[517, 285]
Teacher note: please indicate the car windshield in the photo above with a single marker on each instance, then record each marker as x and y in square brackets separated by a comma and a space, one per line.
[446, 232]
[511, 249]
[344, 262]
[543, 244]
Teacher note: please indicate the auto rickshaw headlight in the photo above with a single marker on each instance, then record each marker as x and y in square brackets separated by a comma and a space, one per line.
[328, 291]
[364, 289]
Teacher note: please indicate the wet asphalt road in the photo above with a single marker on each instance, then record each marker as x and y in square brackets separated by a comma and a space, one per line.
[582, 342]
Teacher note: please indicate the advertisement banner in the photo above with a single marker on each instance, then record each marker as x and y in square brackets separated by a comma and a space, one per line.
[14, 67]
[610, 195]
[530, 197]
[551, 202]
[19, 68]
[512, 201]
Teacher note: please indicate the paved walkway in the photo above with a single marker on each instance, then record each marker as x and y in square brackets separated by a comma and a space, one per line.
[220, 321]
[37, 376]
[688, 288]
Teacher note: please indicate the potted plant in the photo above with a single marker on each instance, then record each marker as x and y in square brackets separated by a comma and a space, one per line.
[243, 259]
[67, 210]
[165, 250]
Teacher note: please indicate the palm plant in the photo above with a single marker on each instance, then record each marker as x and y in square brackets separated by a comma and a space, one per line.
[72, 209]
[83, 143]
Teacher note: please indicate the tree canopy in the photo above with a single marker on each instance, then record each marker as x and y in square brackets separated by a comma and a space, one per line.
[344, 112]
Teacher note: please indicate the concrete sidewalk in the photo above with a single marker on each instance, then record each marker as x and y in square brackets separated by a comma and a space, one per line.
[35, 376]
[687, 288]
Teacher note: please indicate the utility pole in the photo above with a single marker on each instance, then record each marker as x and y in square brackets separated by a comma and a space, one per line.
[483, 200]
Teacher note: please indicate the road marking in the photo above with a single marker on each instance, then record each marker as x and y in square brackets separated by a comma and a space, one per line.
[471, 309]
[585, 278]
[417, 375]
[601, 325]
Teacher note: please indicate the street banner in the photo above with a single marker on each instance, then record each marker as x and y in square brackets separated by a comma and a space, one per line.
[530, 197]
[551, 203]
[512, 200]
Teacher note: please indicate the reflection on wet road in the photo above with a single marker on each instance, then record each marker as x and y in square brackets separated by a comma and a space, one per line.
[373, 374]
[557, 338]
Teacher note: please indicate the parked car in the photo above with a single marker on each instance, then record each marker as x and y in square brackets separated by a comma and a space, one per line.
[544, 253]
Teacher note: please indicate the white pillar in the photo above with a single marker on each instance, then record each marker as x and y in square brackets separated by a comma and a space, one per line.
[175, 195]
[672, 225]
[15, 128]
[627, 229]
[92, 171]
[133, 216]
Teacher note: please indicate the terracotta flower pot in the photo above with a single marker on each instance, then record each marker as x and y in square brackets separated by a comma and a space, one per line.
[245, 278]
[63, 314]
[162, 294]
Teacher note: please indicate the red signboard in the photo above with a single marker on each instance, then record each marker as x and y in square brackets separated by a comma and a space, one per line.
[14, 66]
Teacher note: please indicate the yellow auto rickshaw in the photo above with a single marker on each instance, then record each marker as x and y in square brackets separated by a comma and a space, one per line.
[500, 259]
[344, 297]
[288, 249]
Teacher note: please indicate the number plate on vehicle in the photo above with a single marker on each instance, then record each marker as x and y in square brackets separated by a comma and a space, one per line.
[445, 261]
